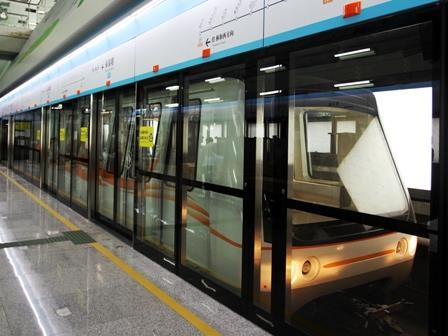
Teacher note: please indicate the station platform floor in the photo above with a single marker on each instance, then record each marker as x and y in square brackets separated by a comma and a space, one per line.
[60, 274]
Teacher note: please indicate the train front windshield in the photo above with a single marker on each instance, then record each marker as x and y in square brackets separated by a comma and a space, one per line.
[341, 158]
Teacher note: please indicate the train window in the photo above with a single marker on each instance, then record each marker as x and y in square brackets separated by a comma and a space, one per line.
[342, 123]
[343, 150]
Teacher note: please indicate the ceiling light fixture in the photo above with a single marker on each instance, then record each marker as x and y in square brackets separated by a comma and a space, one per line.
[354, 85]
[215, 80]
[269, 93]
[355, 54]
[213, 100]
[273, 68]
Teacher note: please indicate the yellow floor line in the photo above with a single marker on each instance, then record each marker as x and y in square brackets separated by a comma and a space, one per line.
[131, 272]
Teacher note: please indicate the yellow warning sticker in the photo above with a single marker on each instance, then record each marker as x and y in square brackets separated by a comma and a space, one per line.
[37, 135]
[22, 125]
[62, 134]
[84, 134]
[146, 137]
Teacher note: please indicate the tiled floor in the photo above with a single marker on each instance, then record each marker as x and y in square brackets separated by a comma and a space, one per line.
[66, 289]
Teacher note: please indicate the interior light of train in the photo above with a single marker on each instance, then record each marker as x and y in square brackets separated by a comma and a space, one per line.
[172, 88]
[272, 68]
[355, 54]
[213, 100]
[268, 93]
[354, 85]
[172, 105]
[215, 80]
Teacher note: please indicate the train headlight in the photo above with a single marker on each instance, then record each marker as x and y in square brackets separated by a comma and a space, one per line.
[306, 268]
[402, 247]
[310, 268]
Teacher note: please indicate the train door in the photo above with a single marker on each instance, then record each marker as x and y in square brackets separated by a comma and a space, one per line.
[126, 158]
[213, 180]
[266, 134]
[36, 150]
[52, 144]
[106, 157]
[17, 143]
[65, 151]
[80, 154]
[3, 141]
[27, 152]
[157, 169]
[115, 145]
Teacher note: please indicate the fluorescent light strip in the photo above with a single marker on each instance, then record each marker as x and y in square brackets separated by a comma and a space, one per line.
[268, 93]
[214, 80]
[355, 54]
[213, 100]
[339, 85]
[272, 68]
[172, 105]
[172, 88]
[354, 85]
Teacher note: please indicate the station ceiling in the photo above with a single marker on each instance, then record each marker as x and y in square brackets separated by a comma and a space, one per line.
[18, 19]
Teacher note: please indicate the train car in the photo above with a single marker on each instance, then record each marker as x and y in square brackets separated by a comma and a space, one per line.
[259, 164]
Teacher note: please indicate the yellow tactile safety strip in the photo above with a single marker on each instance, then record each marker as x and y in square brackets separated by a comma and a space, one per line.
[131, 272]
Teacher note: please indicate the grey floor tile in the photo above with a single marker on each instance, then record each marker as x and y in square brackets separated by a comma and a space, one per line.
[4, 326]
[87, 310]
[29, 320]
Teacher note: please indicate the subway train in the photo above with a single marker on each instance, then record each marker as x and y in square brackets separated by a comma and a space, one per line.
[328, 133]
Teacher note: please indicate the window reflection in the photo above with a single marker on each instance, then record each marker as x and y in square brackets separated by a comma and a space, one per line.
[106, 156]
[213, 153]
[357, 127]
[81, 129]
[157, 154]
[220, 147]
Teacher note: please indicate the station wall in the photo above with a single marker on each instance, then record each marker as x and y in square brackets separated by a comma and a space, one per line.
[168, 35]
